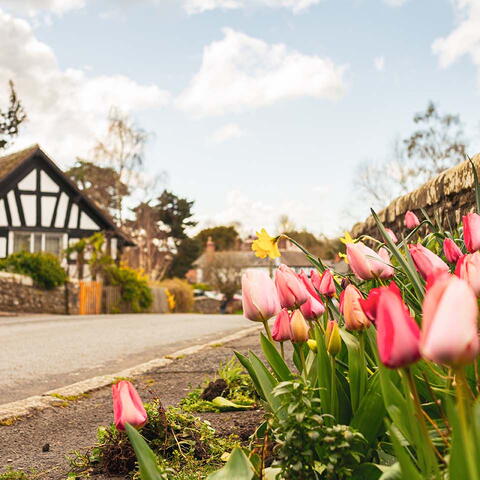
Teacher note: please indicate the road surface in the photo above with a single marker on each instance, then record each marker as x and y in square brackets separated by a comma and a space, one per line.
[40, 353]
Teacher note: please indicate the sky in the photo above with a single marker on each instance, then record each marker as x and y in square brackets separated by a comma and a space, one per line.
[256, 108]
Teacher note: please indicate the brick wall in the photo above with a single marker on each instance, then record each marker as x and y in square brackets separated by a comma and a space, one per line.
[17, 295]
[449, 196]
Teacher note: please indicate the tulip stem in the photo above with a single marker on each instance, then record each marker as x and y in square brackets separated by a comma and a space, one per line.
[302, 360]
[333, 388]
[463, 406]
[282, 350]
[267, 329]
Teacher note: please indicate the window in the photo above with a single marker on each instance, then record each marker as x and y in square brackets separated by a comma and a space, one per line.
[53, 244]
[38, 242]
[21, 242]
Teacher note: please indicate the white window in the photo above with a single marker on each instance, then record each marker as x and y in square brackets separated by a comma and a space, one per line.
[38, 242]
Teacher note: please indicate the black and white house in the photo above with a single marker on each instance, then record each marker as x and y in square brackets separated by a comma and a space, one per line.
[41, 209]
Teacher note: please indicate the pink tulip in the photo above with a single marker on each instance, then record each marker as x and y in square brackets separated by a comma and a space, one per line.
[411, 221]
[426, 262]
[259, 296]
[309, 284]
[327, 284]
[127, 406]
[312, 308]
[341, 302]
[298, 327]
[468, 268]
[316, 279]
[366, 263]
[370, 304]
[281, 326]
[355, 319]
[471, 232]
[449, 328]
[388, 270]
[291, 291]
[392, 235]
[451, 250]
[397, 333]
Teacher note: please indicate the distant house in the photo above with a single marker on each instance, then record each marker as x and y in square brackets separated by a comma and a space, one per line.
[246, 260]
[41, 209]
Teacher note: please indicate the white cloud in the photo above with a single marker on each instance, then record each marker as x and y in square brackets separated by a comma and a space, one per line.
[227, 132]
[379, 63]
[241, 72]
[199, 6]
[464, 39]
[395, 3]
[66, 108]
[32, 7]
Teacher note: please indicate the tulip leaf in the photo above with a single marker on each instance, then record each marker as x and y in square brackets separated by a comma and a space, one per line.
[245, 362]
[147, 461]
[238, 467]
[475, 183]
[393, 472]
[275, 360]
[408, 468]
[323, 372]
[369, 417]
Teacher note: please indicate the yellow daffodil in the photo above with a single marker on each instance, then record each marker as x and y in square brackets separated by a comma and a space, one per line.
[343, 256]
[347, 239]
[265, 245]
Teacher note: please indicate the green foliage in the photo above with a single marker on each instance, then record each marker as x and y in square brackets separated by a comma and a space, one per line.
[182, 292]
[11, 474]
[323, 247]
[134, 287]
[239, 389]
[43, 268]
[181, 445]
[223, 237]
[309, 443]
[188, 250]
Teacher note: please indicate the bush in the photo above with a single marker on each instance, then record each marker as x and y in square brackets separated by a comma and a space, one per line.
[182, 292]
[43, 268]
[134, 287]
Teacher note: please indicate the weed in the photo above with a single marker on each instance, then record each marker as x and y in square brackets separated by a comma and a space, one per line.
[11, 474]
[120, 379]
[6, 422]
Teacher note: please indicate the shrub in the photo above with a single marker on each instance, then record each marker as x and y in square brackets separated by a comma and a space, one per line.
[43, 268]
[134, 287]
[182, 292]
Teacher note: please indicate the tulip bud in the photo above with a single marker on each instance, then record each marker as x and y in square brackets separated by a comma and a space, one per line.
[291, 291]
[392, 235]
[468, 269]
[411, 221]
[281, 326]
[259, 296]
[388, 270]
[333, 340]
[355, 319]
[316, 279]
[426, 262]
[298, 327]
[397, 333]
[307, 282]
[312, 345]
[312, 308]
[451, 250]
[127, 406]
[366, 263]
[449, 328]
[327, 284]
[471, 232]
[369, 305]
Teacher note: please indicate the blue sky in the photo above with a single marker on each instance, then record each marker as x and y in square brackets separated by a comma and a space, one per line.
[255, 111]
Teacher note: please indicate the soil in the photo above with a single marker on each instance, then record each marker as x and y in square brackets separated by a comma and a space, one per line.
[43, 441]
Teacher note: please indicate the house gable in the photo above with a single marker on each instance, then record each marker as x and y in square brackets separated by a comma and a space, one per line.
[35, 195]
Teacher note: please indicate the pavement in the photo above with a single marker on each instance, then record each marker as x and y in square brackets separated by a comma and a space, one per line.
[42, 353]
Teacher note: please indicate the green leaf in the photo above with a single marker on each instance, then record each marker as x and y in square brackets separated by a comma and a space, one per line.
[248, 367]
[475, 183]
[225, 405]
[238, 467]
[408, 468]
[275, 360]
[147, 461]
[393, 472]
[357, 369]
[324, 370]
[369, 417]
[267, 383]
[367, 471]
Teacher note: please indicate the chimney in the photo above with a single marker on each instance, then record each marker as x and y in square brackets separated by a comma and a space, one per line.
[210, 247]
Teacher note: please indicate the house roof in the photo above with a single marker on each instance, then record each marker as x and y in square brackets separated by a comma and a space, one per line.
[11, 163]
[248, 259]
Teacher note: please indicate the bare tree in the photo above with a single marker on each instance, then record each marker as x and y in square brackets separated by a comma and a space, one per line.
[122, 150]
[285, 224]
[11, 118]
[223, 272]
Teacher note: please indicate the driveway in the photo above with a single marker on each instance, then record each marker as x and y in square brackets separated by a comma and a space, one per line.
[39, 353]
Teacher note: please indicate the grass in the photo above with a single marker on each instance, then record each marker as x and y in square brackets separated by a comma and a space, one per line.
[12, 474]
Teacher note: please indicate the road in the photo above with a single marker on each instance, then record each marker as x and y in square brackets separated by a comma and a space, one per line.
[39, 353]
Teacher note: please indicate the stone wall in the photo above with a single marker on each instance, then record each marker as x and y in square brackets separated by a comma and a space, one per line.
[18, 295]
[448, 196]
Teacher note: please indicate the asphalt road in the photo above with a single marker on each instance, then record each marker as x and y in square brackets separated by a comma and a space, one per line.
[39, 353]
